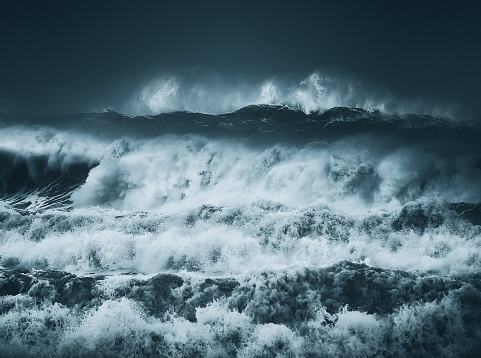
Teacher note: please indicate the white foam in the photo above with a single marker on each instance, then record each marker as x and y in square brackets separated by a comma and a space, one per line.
[122, 327]
[61, 147]
[211, 93]
[189, 203]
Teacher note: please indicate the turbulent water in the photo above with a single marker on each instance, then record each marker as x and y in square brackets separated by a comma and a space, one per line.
[265, 232]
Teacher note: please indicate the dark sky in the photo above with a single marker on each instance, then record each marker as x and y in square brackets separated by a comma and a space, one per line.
[71, 56]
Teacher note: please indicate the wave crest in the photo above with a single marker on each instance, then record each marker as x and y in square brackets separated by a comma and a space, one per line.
[317, 92]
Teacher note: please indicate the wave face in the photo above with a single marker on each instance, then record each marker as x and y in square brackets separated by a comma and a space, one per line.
[267, 231]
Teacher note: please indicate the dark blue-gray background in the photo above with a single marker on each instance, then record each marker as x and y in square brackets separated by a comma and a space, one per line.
[70, 56]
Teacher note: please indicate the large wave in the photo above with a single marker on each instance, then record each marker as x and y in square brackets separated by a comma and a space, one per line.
[265, 231]
[204, 92]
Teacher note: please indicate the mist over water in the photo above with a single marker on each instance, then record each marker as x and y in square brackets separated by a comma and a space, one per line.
[290, 227]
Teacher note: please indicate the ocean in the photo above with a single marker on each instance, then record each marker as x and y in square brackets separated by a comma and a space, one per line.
[266, 231]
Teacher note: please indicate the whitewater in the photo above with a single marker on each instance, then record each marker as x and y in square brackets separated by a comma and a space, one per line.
[272, 230]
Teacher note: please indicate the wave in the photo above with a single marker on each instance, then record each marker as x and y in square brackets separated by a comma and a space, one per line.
[157, 162]
[344, 309]
[213, 240]
[172, 172]
[29, 183]
[266, 229]
[194, 91]
[41, 167]
[271, 124]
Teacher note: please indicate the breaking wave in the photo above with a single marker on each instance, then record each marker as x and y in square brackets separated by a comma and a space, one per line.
[199, 92]
[267, 231]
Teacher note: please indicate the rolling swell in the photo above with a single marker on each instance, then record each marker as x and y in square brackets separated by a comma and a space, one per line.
[271, 123]
[247, 118]
[262, 232]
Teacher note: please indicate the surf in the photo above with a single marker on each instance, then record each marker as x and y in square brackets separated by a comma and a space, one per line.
[268, 227]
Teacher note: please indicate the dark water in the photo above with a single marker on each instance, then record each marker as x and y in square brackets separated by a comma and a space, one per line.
[263, 232]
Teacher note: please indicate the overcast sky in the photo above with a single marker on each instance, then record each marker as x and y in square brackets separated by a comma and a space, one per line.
[71, 56]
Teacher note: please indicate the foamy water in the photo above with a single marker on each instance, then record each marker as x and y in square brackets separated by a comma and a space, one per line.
[347, 233]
